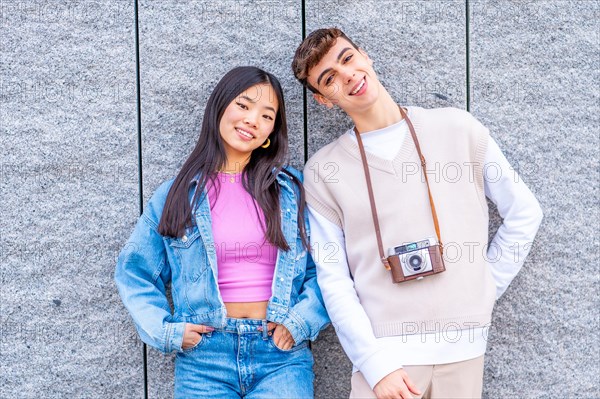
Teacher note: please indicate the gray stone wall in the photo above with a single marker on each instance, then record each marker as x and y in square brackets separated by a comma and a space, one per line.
[72, 186]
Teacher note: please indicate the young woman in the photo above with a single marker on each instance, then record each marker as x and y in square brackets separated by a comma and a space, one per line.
[229, 235]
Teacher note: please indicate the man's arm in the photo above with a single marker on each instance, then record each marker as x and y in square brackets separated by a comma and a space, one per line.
[348, 317]
[521, 214]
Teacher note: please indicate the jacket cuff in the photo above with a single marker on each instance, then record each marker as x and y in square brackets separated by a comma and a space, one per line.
[174, 336]
[296, 327]
[379, 365]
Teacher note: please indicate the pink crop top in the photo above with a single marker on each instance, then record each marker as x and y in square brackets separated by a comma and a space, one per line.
[245, 260]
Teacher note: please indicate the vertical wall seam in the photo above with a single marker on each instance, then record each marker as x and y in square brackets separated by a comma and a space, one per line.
[139, 151]
[305, 104]
[468, 55]
[304, 93]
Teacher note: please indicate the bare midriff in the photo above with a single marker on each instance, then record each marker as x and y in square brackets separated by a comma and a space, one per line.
[247, 310]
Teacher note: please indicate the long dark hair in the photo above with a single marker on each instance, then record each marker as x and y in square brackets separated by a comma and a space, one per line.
[259, 177]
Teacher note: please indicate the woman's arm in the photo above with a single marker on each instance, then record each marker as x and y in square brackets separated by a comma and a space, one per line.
[141, 275]
[308, 316]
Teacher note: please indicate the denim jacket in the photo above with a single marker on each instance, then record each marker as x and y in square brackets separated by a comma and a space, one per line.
[149, 262]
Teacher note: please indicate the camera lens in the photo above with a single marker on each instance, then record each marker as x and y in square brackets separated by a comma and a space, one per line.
[415, 262]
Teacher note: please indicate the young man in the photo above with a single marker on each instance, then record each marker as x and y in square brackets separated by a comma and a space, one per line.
[426, 337]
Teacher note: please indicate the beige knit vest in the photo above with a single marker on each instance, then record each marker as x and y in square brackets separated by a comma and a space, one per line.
[454, 145]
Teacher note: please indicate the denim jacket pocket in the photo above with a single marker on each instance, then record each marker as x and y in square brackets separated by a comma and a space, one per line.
[185, 241]
[190, 254]
[190, 257]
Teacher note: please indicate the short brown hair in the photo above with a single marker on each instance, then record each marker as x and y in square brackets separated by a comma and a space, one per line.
[312, 50]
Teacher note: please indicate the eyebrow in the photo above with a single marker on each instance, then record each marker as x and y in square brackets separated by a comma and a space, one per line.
[245, 97]
[339, 57]
[253, 102]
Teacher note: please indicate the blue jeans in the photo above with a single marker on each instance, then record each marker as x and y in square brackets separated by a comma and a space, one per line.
[242, 361]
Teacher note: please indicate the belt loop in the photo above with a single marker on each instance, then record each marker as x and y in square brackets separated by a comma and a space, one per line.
[265, 332]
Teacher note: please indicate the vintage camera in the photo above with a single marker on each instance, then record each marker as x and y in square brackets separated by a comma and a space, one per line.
[415, 260]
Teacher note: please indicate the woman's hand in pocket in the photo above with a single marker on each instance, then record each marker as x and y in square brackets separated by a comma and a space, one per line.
[192, 335]
[281, 336]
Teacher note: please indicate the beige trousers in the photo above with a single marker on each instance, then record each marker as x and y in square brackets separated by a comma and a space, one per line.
[462, 380]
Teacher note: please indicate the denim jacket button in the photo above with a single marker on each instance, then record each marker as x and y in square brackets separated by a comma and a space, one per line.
[184, 238]
[281, 279]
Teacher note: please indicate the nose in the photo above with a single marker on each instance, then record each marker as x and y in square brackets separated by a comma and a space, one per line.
[250, 119]
[347, 75]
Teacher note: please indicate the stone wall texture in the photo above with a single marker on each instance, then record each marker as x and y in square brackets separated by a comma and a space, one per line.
[74, 175]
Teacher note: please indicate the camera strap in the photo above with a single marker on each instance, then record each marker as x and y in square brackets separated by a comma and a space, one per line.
[363, 157]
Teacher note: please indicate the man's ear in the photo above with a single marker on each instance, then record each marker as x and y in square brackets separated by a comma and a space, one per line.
[322, 100]
[364, 53]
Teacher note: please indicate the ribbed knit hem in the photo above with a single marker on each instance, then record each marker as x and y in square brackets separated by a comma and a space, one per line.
[480, 153]
[441, 325]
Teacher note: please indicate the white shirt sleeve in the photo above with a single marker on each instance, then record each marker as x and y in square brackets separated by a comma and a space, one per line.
[521, 214]
[348, 317]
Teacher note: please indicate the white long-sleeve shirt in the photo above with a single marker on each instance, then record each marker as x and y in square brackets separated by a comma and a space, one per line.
[377, 357]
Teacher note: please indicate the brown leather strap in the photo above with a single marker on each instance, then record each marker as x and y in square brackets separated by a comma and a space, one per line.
[382, 256]
[424, 165]
[363, 156]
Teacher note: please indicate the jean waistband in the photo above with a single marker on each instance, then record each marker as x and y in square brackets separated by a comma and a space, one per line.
[245, 326]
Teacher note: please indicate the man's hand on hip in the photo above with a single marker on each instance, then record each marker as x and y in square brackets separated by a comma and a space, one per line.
[396, 385]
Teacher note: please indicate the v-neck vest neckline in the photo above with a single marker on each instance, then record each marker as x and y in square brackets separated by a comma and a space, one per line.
[392, 166]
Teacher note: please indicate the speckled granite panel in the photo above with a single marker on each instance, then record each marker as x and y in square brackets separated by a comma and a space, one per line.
[69, 195]
[186, 47]
[418, 50]
[535, 84]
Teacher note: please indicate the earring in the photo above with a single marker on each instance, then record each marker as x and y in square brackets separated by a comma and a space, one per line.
[267, 143]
